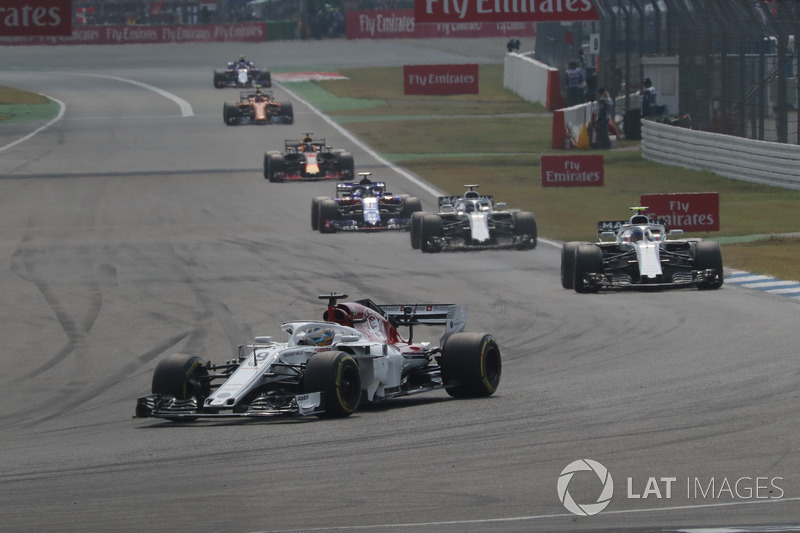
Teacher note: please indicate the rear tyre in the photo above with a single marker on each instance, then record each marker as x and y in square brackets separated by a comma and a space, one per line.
[328, 211]
[265, 79]
[287, 113]
[275, 165]
[416, 229]
[335, 374]
[230, 114]
[707, 255]
[219, 80]
[471, 365]
[568, 264]
[411, 205]
[347, 165]
[588, 260]
[525, 224]
[315, 211]
[432, 230]
[182, 376]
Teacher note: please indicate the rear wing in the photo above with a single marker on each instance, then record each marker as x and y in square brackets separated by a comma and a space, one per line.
[292, 143]
[615, 225]
[452, 316]
[345, 188]
[452, 200]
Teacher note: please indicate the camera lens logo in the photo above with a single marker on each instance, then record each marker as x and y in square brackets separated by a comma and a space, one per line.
[586, 509]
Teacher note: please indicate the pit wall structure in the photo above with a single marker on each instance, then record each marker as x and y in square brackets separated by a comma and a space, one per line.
[764, 162]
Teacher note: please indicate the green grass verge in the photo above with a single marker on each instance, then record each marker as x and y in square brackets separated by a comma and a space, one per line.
[19, 106]
[495, 139]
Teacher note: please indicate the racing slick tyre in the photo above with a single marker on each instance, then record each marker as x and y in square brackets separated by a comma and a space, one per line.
[568, 264]
[315, 211]
[525, 224]
[347, 166]
[274, 164]
[416, 229]
[328, 211]
[287, 113]
[471, 365]
[219, 80]
[230, 114]
[411, 205]
[264, 79]
[707, 255]
[432, 229]
[588, 260]
[182, 376]
[337, 376]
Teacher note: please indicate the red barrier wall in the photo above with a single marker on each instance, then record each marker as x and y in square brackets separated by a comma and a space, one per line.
[136, 34]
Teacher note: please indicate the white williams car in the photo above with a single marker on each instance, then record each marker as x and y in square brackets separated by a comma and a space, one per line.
[328, 367]
[471, 222]
[638, 254]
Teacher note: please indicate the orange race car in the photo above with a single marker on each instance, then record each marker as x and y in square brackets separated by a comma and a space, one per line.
[257, 107]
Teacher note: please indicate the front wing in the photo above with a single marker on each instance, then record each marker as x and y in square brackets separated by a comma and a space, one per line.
[172, 408]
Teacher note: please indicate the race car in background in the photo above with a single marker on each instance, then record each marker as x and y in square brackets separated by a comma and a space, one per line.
[242, 73]
[471, 222]
[637, 253]
[308, 159]
[326, 368]
[363, 206]
[257, 107]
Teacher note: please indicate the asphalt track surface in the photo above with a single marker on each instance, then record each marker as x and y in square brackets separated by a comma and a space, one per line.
[135, 227]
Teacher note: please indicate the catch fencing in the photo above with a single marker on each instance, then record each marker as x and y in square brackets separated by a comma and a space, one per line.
[736, 60]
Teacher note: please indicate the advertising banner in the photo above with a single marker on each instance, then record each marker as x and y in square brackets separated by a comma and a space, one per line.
[399, 24]
[693, 211]
[35, 17]
[572, 170]
[440, 79]
[141, 34]
[426, 11]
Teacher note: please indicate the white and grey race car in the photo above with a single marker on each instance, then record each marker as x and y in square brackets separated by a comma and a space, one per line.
[472, 222]
[328, 368]
[637, 254]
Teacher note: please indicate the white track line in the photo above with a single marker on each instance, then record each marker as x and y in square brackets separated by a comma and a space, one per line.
[61, 109]
[186, 107]
[416, 525]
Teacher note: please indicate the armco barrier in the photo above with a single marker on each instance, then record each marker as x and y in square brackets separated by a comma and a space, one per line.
[532, 80]
[764, 162]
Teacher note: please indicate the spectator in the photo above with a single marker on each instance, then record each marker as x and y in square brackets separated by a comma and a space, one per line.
[649, 97]
[576, 83]
[600, 120]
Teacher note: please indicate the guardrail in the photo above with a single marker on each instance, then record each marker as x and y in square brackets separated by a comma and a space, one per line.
[763, 162]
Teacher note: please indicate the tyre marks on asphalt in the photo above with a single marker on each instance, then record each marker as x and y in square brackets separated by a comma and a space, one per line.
[768, 284]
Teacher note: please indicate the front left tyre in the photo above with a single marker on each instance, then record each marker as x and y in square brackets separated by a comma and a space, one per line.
[525, 226]
[182, 376]
[337, 376]
[708, 256]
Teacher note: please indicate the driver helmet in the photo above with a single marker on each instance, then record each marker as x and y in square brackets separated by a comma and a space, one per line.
[637, 235]
[320, 337]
